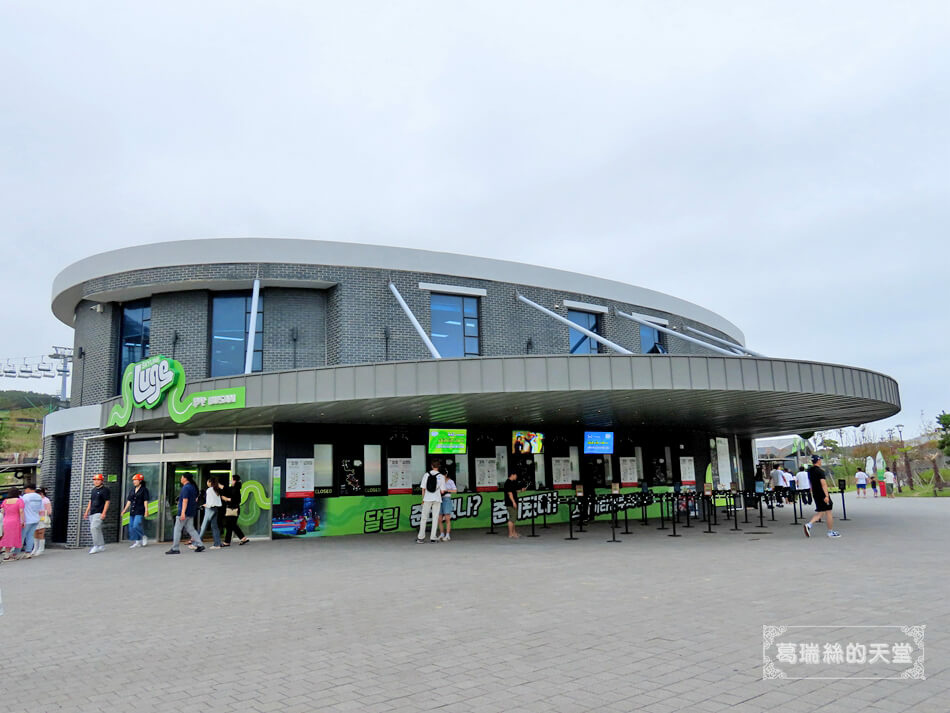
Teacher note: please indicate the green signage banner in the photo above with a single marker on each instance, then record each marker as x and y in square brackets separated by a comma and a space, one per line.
[145, 384]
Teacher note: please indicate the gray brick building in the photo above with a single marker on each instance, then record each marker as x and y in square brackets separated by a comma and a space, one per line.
[343, 378]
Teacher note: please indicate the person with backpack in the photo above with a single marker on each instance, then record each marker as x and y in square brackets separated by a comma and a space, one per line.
[433, 487]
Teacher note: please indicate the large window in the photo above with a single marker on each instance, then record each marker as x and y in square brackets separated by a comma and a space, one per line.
[455, 325]
[134, 334]
[581, 343]
[651, 341]
[230, 317]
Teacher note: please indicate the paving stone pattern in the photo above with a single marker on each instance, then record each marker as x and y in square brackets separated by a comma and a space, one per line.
[481, 624]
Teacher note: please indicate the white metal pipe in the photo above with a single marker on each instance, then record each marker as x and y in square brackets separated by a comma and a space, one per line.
[252, 328]
[675, 334]
[564, 320]
[415, 322]
[725, 341]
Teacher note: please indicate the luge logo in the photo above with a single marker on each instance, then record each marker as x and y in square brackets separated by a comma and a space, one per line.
[151, 378]
[145, 383]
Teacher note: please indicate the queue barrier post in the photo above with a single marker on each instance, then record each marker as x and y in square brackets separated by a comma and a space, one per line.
[761, 512]
[613, 521]
[534, 515]
[674, 503]
[571, 502]
[745, 507]
[844, 508]
[689, 503]
[544, 513]
[663, 501]
[793, 495]
[707, 504]
[735, 512]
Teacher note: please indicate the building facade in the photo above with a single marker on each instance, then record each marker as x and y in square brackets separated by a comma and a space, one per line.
[327, 375]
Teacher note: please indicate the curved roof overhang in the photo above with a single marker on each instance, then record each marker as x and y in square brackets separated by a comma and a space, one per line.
[746, 396]
[68, 285]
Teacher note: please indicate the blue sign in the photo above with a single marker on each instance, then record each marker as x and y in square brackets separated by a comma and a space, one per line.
[598, 442]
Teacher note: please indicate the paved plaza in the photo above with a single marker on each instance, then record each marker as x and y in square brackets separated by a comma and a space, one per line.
[482, 624]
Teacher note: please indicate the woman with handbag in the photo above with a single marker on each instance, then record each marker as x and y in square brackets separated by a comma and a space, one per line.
[46, 513]
[211, 506]
[232, 508]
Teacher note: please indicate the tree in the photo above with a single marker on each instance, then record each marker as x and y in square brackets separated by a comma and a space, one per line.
[943, 433]
[3, 434]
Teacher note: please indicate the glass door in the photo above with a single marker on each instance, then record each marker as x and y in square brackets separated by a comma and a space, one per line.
[152, 473]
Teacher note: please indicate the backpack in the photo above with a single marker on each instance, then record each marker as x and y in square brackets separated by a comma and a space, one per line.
[432, 482]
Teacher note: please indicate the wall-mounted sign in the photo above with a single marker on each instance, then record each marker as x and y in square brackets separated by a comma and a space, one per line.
[145, 383]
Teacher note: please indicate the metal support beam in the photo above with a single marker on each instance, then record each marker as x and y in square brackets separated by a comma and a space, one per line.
[415, 322]
[252, 328]
[733, 345]
[564, 320]
[658, 328]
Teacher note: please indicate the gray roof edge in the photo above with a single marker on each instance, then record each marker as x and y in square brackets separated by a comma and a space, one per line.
[66, 290]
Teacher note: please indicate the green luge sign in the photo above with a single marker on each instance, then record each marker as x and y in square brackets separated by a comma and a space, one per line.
[146, 383]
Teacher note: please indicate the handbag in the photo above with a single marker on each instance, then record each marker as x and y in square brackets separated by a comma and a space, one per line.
[230, 512]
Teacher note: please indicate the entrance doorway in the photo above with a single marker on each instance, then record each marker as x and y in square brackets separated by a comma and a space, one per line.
[201, 472]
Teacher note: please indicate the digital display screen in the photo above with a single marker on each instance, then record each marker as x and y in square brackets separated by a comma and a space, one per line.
[598, 442]
[527, 442]
[447, 440]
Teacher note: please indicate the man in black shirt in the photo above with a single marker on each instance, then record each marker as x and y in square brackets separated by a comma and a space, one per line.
[96, 511]
[822, 495]
[511, 503]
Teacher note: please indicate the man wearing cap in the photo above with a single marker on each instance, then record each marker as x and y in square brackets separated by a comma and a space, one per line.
[136, 504]
[187, 507]
[96, 510]
[819, 488]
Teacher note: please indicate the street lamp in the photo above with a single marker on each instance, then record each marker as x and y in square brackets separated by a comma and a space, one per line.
[910, 478]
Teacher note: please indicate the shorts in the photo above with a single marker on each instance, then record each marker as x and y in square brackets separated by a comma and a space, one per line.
[447, 507]
[821, 505]
[512, 513]
[862, 486]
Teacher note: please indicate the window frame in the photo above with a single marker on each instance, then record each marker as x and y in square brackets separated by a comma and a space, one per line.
[144, 344]
[597, 328]
[258, 354]
[469, 308]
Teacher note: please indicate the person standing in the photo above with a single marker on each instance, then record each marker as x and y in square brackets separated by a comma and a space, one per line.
[232, 509]
[136, 504]
[187, 507]
[873, 482]
[881, 484]
[445, 513]
[802, 485]
[32, 507]
[12, 510]
[511, 503]
[96, 510]
[778, 485]
[46, 514]
[889, 482]
[212, 505]
[433, 485]
[819, 487]
[861, 483]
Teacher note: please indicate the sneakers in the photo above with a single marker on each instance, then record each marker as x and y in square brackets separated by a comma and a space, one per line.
[135, 544]
[199, 548]
[244, 541]
[216, 547]
[433, 541]
[173, 552]
[807, 528]
[441, 537]
[420, 541]
[834, 533]
[447, 538]
[95, 549]
[144, 541]
[192, 547]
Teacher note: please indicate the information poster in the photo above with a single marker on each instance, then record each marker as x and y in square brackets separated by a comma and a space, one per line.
[486, 474]
[300, 477]
[725, 464]
[687, 471]
[400, 475]
[629, 471]
[276, 489]
[561, 472]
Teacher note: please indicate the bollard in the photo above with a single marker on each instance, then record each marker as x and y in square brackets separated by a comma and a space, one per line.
[662, 526]
[675, 504]
[844, 508]
[709, 530]
[570, 519]
[613, 523]
[491, 517]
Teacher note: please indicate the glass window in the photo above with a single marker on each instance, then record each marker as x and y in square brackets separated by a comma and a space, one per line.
[230, 317]
[581, 343]
[253, 440]
[134, 334]
[651, 341]
[254, 517]
[455, 325]
[144, 446]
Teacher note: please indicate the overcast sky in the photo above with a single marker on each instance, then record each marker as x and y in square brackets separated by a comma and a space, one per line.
[783, 164]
